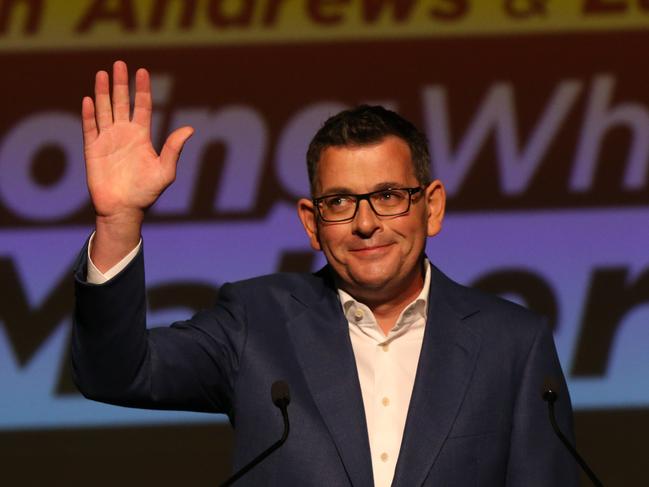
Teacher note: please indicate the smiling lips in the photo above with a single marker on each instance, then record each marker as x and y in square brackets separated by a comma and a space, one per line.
[371, 250]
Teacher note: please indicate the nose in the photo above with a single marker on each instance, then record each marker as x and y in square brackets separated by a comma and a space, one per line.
[366, 222]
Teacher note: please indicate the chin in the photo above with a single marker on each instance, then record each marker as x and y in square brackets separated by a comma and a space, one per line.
[370, 281]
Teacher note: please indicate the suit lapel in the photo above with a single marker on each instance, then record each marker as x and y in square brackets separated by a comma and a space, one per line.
[321, 340]
[448, 357]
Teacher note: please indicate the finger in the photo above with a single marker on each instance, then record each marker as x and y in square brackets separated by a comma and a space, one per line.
[173, 145]
[142, 108]
[103, 110]
[88, 123]
[121, 102]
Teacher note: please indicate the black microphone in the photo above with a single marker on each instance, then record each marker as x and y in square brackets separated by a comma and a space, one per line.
[550, 395]
[281, 398]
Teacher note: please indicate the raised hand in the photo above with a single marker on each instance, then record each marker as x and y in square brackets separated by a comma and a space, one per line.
[125, 174]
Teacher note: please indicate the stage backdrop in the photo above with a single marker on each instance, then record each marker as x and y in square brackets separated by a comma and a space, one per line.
[538, 121]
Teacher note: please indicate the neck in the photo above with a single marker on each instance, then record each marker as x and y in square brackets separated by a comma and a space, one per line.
[387, 304]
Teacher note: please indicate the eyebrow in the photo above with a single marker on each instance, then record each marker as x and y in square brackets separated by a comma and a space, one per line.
[377, 187]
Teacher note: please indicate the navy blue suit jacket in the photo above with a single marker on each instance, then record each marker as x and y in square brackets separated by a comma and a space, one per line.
[476, 417]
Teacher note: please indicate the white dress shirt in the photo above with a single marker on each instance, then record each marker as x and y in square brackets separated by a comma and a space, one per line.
[386, 369]
[95, 276]
[386, 365]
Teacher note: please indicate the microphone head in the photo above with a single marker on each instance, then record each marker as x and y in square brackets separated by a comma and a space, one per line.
[280, 394]
[550, 389]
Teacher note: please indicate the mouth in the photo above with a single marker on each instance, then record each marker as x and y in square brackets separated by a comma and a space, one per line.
[371, 250]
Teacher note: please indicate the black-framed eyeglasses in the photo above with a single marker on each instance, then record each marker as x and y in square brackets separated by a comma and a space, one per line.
[336, 208]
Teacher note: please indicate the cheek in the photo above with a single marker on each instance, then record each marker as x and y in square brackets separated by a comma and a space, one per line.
[413, 241]
[411, 232]
[332, 239]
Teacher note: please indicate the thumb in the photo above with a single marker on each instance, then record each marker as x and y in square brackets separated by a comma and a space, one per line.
[174, 144]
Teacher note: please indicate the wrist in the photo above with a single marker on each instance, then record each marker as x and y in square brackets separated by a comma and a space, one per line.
[115, 237]
[122, 224]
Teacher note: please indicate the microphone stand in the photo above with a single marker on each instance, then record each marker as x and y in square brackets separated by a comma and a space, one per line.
[282, 403]
[550, 397]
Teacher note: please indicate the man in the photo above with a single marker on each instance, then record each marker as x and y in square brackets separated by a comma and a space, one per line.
[398, 375]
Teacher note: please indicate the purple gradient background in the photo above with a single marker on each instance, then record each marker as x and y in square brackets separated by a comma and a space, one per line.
[561, 246]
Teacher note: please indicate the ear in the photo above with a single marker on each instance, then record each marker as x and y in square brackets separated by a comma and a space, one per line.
[307, 214]
[435, 195]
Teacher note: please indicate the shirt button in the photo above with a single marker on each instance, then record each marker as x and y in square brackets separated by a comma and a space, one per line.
[384, 457]
[358, 314]
[385, 347]
[385, 401]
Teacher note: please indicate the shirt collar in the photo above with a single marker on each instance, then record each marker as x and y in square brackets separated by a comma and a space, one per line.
[360, 315]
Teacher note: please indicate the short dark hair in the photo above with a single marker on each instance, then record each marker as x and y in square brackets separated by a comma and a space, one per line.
[366, 125]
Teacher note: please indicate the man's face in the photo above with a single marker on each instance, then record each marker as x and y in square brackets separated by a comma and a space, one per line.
[374, 256]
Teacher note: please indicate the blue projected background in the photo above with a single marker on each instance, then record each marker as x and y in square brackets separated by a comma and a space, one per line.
[563, 249]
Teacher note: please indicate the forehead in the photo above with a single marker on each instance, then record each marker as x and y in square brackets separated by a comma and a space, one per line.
[364, 168]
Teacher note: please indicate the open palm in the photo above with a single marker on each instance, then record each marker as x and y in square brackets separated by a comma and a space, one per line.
[125, 174]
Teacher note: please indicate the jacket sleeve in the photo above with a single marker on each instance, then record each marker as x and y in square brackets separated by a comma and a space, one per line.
[191, 365]
[536, 456]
